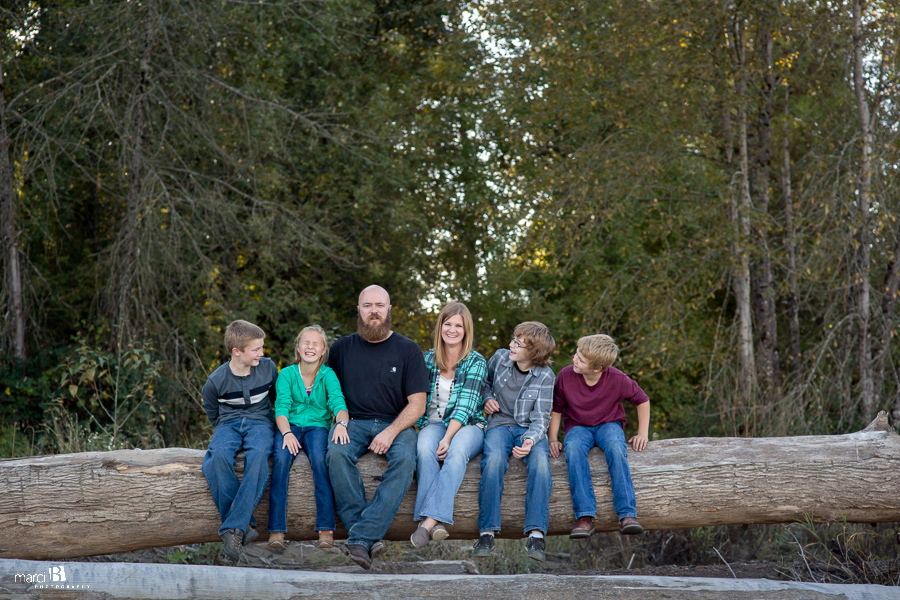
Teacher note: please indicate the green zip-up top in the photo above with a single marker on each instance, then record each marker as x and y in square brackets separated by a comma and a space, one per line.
[315, 409]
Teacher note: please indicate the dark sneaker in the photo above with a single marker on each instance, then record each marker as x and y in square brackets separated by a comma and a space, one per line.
[231, 543]
[584, 528]
[378, 548]
[484, 546]
[251, 536]
[358, 554]
[630, 526]
[420, 537]
[535, 548]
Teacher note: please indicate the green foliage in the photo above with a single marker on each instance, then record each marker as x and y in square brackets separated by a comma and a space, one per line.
[107, 399]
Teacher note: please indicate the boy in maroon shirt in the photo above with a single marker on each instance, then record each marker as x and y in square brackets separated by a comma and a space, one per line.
[589, 394]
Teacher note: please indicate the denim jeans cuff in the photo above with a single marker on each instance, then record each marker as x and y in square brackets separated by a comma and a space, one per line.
[629, 513]
[592, 515]
[443, 520]
[365, 543]
[529, 528]
[277, 530]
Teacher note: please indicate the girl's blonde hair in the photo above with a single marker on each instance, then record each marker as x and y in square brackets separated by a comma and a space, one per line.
[452, 309]
[318, 329]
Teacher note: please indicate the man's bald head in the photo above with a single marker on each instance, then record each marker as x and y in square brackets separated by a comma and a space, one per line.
[375, 293]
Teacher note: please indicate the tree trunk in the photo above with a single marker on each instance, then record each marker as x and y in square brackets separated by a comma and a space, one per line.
[126, 581]
[867, 393]
[10, 233]
[126, 246]
[791, 246]
[741, 220]
[758, 179]
[70, 505]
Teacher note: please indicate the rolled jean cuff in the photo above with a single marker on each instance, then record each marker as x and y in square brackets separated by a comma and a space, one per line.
[365, 543]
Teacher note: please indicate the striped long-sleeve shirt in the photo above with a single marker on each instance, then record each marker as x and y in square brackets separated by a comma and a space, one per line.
[227, 396]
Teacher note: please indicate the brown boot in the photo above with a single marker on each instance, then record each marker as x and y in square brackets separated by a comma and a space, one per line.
[584, 528]
[276, 541]
[326, 540]
[630, 526]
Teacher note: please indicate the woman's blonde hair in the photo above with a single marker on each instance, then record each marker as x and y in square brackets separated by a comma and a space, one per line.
[452, 309]
[320, 331]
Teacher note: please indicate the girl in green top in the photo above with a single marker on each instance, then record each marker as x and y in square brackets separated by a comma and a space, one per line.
[308, 394]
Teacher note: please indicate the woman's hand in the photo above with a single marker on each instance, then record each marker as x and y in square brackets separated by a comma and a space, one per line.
[442, 448]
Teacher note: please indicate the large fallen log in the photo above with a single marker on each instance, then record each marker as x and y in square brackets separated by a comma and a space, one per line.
[128, 581]
[74, 505]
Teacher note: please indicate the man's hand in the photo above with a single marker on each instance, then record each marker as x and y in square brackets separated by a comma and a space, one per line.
[291, 443]
[491, 406]
[638, 442]
[555, 448]
[523, 450]
[382, 442]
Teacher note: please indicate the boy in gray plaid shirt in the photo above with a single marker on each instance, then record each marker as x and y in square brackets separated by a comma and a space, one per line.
[518, 397]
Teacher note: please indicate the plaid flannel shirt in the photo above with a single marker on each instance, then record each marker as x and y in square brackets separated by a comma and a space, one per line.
[535, 401]
[466, 402]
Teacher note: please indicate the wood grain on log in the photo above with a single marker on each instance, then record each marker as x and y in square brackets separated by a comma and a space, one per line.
[128, 581]
[74, 505]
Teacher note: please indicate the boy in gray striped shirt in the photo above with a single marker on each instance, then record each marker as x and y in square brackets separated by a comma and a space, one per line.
[238, 399]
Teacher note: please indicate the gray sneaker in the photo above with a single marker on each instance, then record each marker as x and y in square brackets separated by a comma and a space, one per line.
[420, 537]
[484, 547]
[535, 548]
[231, 543]
[250, 536]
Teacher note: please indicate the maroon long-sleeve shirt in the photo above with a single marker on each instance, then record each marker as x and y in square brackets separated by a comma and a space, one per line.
[589, 406]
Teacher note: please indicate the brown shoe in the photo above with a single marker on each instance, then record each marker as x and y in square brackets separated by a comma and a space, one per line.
[358, 554]
[276, 541]
[584, 528]
[326, 540]
[630, 526]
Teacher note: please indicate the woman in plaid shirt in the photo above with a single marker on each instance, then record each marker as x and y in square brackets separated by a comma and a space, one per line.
[452, 428]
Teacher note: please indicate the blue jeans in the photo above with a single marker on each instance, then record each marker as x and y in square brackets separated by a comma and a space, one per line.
[437, 486]
[610, 438]
[367, 522]
[498, 445]
[236, 500]
[314, 441]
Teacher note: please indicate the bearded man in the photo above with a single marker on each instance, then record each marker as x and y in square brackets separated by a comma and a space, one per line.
[384, 380]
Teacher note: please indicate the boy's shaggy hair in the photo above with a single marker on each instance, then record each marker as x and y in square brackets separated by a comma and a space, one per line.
[240, 333]
[598, 351]
[537, 340]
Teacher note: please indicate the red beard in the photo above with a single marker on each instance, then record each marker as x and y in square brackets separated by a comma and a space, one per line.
[373, 330]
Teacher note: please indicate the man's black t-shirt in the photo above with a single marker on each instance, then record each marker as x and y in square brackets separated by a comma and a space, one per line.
[377, 378]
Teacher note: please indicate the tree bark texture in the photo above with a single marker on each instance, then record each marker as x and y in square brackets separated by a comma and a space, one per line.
[10, 235]
[868, 395]
[126, 581]
[73, 505]
[760, 167]
[741, 206]
[790, 245]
